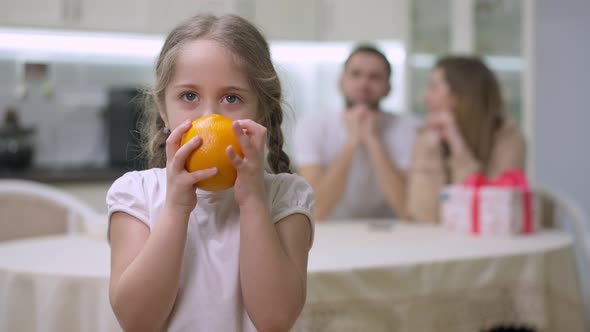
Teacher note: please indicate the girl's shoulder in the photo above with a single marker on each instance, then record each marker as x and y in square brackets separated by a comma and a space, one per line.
[150, 183]
[146, 178]
[137, 193]
[284, 181]
[289, 193]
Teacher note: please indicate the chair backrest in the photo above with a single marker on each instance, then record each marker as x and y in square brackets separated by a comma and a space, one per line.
[559, 211]
[29, 209]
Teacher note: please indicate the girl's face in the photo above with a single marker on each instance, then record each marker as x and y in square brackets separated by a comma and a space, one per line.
[438, 96]
[207, 80]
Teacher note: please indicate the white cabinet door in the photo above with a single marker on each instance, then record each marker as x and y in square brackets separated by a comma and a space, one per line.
[110, 15]
[363, 19]
[36, 13]
[164, 15]
[286, 19]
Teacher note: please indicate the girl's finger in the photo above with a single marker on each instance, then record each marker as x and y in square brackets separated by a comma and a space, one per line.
[243, 139]
[173, 141]
[179, 159]
[235, 159]
[203, 174]
[256, 132]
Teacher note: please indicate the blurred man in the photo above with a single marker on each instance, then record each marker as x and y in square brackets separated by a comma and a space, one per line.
[356, 159]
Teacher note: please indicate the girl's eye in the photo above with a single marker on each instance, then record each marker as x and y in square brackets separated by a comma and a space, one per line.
[188, 96]
[231, 99]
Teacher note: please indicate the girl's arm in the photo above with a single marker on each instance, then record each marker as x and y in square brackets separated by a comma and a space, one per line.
[145, 268]
[273, 258]
[273, 266]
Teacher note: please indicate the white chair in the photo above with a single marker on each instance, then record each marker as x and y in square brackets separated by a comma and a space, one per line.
[29, 209]
[560, 211]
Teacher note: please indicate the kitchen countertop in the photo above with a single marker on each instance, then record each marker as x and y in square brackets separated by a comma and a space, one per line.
[64, 175]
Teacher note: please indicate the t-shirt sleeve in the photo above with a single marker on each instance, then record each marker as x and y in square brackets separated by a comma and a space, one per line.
[291, 194]
[306, 142]
[127, 195]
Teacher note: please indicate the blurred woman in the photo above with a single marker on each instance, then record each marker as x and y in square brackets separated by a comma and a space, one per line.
[466, 131]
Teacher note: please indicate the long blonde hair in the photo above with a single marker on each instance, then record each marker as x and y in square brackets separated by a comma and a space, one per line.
[479, 112]
[251, 49]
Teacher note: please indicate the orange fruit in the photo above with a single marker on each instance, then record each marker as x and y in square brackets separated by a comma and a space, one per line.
[217, 135]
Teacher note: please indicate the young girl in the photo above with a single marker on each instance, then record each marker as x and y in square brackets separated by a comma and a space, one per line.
[184, 259]
[466, 132]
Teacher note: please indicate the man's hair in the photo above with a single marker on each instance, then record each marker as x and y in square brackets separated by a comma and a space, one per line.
[368, 48]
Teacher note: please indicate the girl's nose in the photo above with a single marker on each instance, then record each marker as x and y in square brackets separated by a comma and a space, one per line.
[210, 108]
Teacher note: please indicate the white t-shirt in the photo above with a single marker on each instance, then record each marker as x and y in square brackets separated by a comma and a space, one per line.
[319, 138]
[210, 297]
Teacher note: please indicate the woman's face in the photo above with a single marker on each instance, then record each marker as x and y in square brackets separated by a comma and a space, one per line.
[438, 96]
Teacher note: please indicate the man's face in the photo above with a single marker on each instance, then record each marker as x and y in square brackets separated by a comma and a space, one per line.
[365, 80]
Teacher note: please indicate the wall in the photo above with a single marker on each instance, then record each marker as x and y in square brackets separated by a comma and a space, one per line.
[561, 106]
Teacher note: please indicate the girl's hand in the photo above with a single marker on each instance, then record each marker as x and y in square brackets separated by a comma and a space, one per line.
[250, 181]
[181, 188]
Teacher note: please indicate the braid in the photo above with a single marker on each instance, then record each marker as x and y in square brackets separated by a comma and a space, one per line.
[277, 158]
[152, 129]
[158, 146]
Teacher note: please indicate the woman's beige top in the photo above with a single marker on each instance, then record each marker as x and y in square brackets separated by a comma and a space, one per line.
[430, 171]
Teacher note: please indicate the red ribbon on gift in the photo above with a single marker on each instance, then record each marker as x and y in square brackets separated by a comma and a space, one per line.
[513, 178]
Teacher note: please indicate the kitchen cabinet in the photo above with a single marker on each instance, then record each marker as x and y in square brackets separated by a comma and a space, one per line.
[34, 13]
[108, 15]
[143, 16]
[285, 19]
[278, 19]
[163, 16]
[349, 20]
[362, 20]
[104, 15]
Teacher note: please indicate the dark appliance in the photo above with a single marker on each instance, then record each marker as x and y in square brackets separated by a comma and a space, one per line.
[123, 114]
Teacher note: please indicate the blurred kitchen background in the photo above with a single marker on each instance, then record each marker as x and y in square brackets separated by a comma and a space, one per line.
[69, 69]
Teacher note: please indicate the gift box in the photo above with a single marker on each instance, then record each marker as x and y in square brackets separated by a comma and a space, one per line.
[501, 206]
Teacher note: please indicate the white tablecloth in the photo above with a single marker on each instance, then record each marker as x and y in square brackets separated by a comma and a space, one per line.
[55, 284]
[361, 278]
[422, 278]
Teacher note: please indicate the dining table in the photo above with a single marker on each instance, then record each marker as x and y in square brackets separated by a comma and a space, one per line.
[363, 275]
